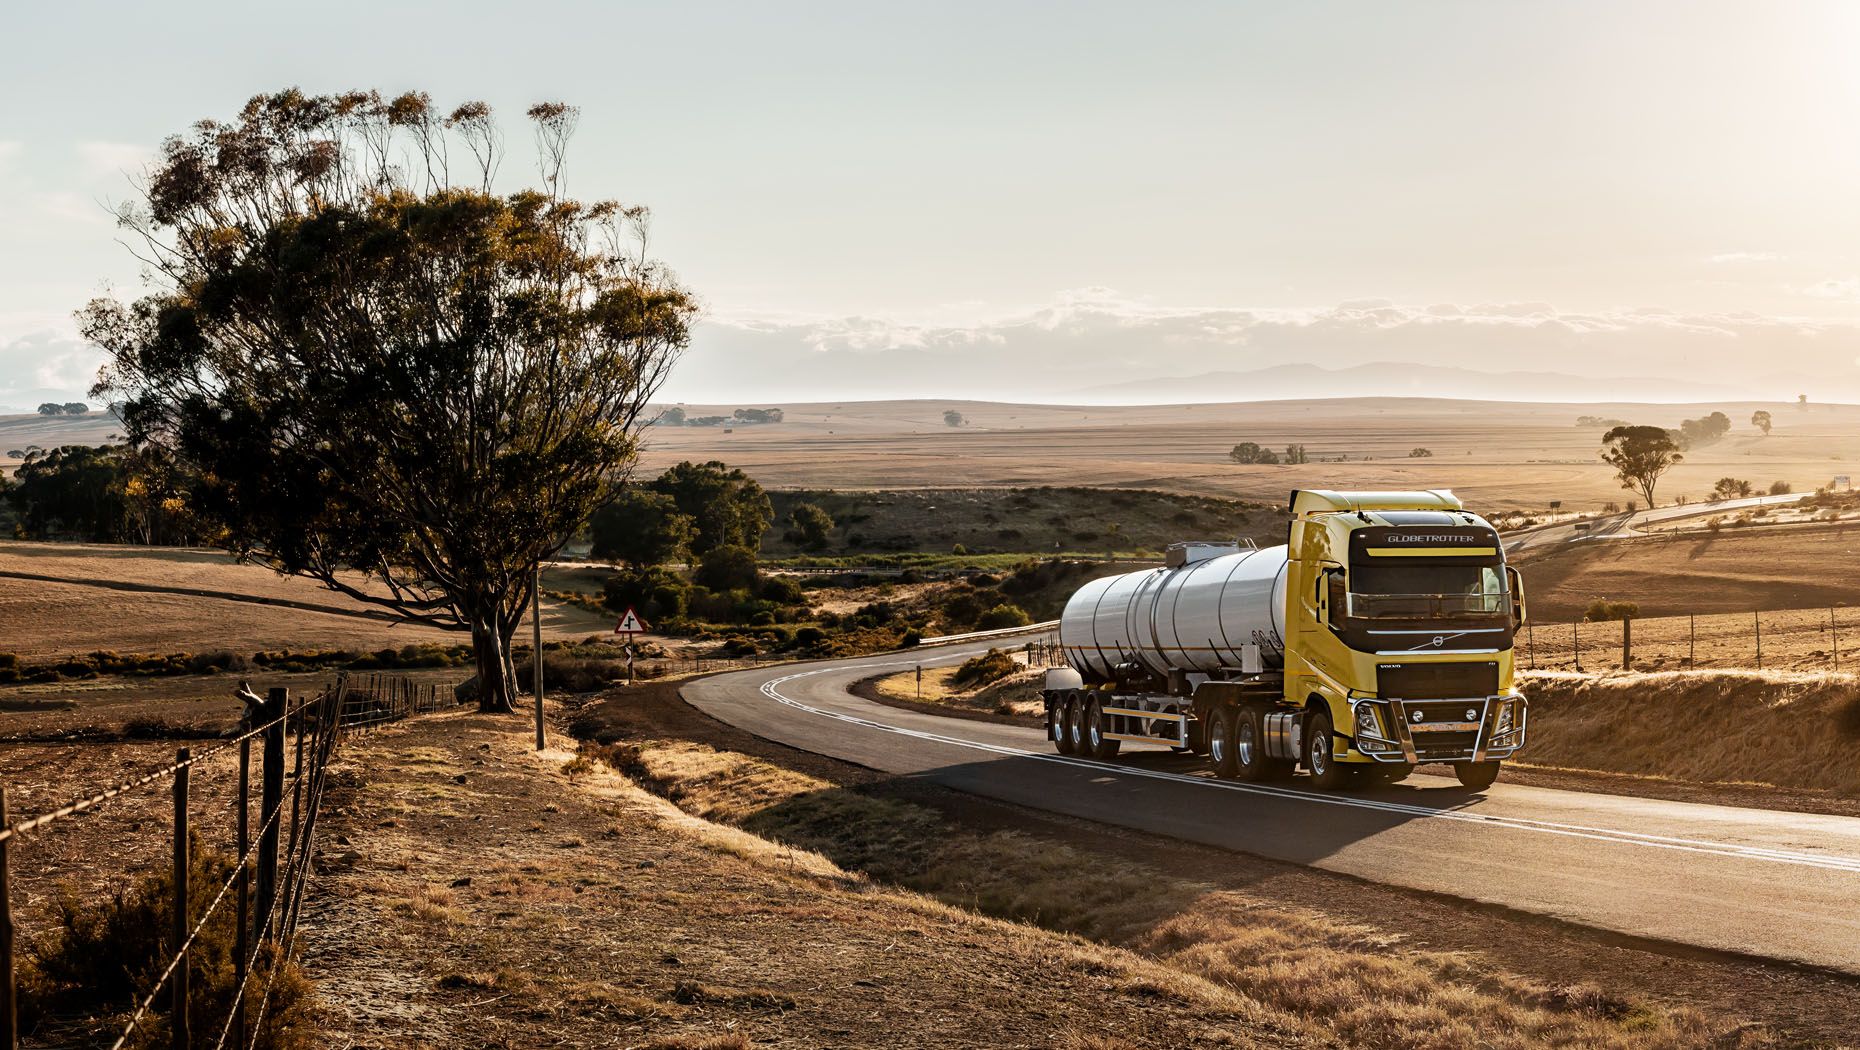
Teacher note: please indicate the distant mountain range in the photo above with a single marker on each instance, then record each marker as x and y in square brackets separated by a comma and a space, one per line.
[1390, 379]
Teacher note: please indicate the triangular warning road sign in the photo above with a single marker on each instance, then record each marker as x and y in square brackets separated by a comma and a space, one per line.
[630, 623]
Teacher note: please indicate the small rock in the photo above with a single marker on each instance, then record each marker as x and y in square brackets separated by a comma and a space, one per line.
[648, 863]
[465, 881]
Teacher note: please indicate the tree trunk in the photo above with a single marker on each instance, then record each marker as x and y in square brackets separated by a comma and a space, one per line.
[489, 645]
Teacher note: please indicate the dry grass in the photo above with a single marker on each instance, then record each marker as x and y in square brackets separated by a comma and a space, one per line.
[1510, 455]
[1016, 695]
[1783, 728]
[1729, 572]
[1345, 984]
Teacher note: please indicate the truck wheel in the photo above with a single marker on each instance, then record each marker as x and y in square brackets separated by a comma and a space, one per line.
[1476, 776]
[1249, 737]
[1221, 743]
[1075, 724]
[1321, 759]
[1056, 721]
[1099, 747]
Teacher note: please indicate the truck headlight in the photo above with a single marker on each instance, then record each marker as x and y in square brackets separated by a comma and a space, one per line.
[1369, 721]
[1506, 710]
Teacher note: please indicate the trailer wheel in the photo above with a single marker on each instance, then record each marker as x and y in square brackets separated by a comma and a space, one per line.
[1057, 721]
[1476, 776]
[1321, 758]
[1099, 747]
[1221, 751]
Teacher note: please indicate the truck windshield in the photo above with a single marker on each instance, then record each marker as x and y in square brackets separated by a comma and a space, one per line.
[1380, 591]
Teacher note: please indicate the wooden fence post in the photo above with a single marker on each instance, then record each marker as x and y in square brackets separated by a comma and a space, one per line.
[1834, 636]
[1627, 643]
[1757, 619]
[1530, 641]
[243, 939]
[178, 1011]
[9, 1017]
[271, 801]
[1575, 630]
[1692, 640]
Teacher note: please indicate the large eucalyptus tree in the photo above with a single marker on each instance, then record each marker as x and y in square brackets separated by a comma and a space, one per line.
[370, 367]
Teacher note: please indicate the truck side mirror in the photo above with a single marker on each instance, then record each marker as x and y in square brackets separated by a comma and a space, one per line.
[1516, 582]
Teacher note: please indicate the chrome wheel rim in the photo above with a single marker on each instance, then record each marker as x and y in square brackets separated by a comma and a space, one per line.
[1320, 755]
[1094, 726]
[1243, 743]
[1217, 740]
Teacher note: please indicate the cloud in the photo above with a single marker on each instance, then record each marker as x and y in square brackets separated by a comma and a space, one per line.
[1844, 288]
[46, 366]
[1092, 337]
[10, 152]
[1742, 257]
[97, 160]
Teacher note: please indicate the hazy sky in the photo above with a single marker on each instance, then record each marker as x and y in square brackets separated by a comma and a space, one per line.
[1028, 199]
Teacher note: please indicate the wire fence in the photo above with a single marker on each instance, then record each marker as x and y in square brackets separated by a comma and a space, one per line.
[1785, 639]
[271, 862]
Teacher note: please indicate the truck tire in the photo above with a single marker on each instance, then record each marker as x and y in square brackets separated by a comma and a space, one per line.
[1476, 776]
[1075, 723]
[1249, 737]
[1221, 743]
[1321, 758]
[1056, 722]
[1096, 744]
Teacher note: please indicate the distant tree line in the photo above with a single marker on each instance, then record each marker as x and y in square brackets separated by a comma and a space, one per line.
[108, 494]
[677, 417]
[69, 408]
[1251, 452]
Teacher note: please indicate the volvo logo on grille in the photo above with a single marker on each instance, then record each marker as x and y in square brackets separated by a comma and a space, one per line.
[1439, 640]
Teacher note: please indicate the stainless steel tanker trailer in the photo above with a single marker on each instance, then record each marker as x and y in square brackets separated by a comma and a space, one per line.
[1378, 638]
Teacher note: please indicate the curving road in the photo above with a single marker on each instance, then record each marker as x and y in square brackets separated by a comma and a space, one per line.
[1780, 885]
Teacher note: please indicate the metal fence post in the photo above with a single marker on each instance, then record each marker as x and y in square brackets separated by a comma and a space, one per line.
[1530, 641]
[271, 800]
[9, 1016]
[536, 654]
[178, 1024]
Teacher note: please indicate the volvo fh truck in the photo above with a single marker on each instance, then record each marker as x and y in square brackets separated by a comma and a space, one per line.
[1379, 637]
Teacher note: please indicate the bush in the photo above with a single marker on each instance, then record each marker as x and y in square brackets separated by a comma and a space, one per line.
[1003, 616]
[727, 568]
[991, 666]
[655, 593]
[782, 590]
[103, 953]
[911, 639]
[1605, 609]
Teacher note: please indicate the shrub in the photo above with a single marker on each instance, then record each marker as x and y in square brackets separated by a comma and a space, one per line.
[810, 637]
[991, 666]
[1606, 609]
[102, 953]
[782, 590]
[725, 568]
[1003, 616]
[655, 593]
[911, 639]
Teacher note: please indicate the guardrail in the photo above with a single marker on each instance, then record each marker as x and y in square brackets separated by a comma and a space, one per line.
[1005, 632]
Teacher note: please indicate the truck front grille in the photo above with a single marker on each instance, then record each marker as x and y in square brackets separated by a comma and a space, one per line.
[1437, 681]
[1439, 746]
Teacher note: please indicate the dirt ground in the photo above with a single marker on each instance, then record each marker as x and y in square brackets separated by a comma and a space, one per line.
[479, 894]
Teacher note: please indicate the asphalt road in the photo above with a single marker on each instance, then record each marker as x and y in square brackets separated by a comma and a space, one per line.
[1780, 885]
[1629, 524]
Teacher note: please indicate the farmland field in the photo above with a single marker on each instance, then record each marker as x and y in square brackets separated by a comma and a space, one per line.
[1497, 455]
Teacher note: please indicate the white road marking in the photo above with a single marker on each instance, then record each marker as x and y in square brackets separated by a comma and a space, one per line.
[1727, 849]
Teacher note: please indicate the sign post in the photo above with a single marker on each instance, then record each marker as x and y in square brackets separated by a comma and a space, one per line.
[630, 627]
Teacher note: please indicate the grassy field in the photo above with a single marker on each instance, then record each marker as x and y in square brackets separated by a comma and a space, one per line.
[1730, 571]
[70, 598]
[1497, 455]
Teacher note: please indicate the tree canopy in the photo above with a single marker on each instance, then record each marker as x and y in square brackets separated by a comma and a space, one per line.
[1640, 455]
[362, 359]
[727, 505]
[642, 528]
[1762, 421]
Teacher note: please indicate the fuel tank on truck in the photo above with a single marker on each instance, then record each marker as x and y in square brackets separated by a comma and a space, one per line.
[1194, 614]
